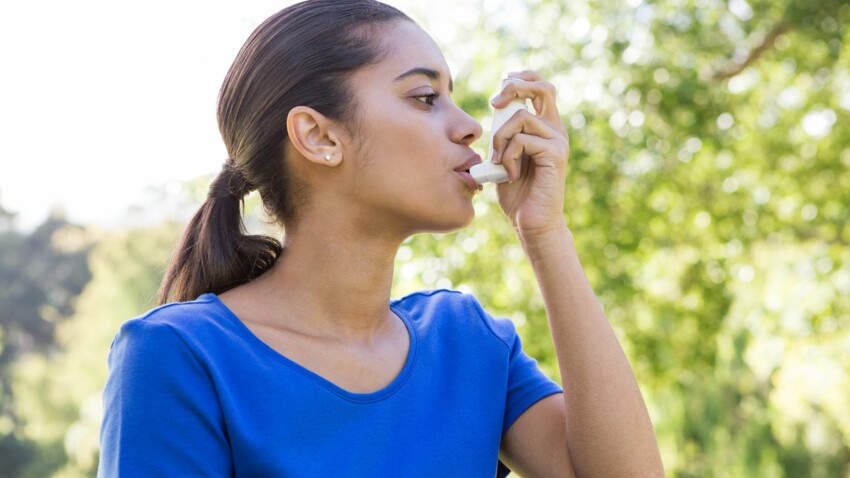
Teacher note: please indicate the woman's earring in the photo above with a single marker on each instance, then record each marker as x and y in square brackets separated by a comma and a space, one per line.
[329, 157]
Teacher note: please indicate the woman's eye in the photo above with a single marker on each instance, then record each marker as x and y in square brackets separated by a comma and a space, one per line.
[429, 98]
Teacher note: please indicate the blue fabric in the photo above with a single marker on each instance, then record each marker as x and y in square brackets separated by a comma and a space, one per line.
[193, 393]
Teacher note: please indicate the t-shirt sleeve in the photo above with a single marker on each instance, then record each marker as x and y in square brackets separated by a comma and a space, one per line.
[161, 414]
[526, 383]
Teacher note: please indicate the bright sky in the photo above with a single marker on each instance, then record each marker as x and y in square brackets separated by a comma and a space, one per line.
[100, 99]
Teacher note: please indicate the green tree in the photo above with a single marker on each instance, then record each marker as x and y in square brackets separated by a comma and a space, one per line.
[708, 196]
[42, 273]
[58, 396]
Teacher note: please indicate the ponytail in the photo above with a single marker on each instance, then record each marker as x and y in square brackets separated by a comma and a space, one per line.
[216, 253]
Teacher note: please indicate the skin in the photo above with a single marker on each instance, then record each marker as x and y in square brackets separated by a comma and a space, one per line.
[335, 275]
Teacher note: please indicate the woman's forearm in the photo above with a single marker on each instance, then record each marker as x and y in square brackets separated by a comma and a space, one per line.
[609, 432]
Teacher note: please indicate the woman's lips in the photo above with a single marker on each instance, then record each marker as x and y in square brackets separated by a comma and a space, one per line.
[470, 183]
[463, 171]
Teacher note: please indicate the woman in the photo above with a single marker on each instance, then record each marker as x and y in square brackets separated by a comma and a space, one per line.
[291, 360]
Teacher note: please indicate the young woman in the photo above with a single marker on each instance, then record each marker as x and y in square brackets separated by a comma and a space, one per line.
[291, 360]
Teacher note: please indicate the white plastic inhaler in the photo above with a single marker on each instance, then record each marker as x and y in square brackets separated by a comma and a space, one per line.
[487, 172]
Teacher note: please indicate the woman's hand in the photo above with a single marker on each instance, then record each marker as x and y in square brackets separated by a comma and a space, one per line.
[533, 200]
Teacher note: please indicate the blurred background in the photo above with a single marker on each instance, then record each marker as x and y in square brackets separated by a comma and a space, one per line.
[708, 192]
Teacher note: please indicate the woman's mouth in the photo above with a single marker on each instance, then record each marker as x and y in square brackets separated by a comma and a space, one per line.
[467, 179]
[463, 172]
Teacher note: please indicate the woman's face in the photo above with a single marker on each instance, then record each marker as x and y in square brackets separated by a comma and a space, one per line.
[412, 140]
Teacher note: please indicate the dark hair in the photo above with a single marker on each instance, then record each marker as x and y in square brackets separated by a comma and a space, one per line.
[301, 56]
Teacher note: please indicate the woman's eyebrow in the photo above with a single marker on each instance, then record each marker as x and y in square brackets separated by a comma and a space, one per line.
[430, 73]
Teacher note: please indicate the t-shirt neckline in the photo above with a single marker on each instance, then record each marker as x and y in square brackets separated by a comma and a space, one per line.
[377, 395]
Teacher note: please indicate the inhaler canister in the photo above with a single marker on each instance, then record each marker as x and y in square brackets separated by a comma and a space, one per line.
[488, 172]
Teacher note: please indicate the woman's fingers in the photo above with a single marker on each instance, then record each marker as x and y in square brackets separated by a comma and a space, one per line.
[521, 122]
[530, 146]
[528, 85]
[541, 136]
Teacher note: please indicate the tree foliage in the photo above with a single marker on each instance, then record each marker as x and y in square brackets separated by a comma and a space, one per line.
[708, 193]
[58, 395]
[42, 272]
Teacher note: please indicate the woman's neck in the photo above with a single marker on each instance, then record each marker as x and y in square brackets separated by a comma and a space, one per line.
[330, 281]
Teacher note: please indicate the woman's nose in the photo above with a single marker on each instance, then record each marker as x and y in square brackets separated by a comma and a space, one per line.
[465, 129]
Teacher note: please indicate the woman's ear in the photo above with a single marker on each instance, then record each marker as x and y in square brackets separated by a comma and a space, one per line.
[314, 136]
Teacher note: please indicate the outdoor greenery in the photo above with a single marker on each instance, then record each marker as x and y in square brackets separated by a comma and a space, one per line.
[708, 193]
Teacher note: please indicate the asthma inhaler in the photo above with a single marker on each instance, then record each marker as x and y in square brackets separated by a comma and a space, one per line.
[488, 172]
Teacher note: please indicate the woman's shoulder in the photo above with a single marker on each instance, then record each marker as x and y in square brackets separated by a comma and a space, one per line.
[458, 311]
[190, 322]
[427, 303]
[201, 309]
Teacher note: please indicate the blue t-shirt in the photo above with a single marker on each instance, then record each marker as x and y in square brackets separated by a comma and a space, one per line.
[193, 393]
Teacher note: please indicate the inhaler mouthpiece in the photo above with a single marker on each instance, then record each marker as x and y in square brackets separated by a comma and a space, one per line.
[488, 172]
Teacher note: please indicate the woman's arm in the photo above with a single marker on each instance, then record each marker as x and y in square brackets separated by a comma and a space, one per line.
[605, 424]
[608, 430]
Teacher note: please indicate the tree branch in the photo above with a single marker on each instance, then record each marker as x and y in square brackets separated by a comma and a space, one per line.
[735, 68]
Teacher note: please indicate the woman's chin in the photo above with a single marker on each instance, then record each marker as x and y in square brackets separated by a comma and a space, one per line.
[459, 221]
[444, 219]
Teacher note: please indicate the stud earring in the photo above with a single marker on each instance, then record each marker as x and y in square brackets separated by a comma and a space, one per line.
[328, 157]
